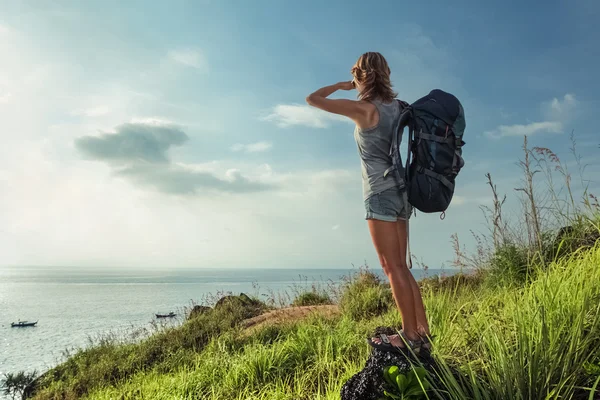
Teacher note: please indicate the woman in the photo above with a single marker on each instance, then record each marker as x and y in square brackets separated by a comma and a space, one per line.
[376, 115]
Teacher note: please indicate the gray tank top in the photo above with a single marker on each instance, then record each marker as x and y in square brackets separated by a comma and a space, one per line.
[374, 149]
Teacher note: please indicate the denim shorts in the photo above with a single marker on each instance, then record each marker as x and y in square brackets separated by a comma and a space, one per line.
[388, 205]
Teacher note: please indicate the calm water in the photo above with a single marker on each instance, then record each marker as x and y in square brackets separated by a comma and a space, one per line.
[73, 304]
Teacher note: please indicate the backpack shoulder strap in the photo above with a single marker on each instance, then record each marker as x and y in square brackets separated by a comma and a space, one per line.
[395, 148]
[402, 104]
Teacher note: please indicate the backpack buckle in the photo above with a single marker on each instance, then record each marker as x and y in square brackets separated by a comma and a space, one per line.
[387, 171]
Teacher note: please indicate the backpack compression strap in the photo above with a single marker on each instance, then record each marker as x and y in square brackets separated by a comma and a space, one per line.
[411, 133]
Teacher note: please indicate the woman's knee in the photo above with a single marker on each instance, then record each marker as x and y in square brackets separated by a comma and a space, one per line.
[393, 267]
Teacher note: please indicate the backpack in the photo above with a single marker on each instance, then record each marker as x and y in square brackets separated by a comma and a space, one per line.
[436, 125]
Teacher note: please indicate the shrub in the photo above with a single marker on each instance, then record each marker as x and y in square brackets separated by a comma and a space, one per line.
[311, 298]
[509, 265]
[365, 296]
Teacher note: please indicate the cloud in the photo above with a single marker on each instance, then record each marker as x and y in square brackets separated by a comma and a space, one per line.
[138, 152]
[189, 57]
[335, 227]
[529, 129]
[182, 180]
[286, 115]
[472, 198]
[92, 112]
[458, 200]
[252, 147]
[132, 142]
[558, 109]
[152, 121]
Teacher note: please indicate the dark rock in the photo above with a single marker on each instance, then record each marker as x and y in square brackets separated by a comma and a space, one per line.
[241, 299]
[569, 239]
[198, 310]
[243, 304]
[369, 383]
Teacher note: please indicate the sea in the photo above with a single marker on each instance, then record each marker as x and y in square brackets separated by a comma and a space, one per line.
[76, 306]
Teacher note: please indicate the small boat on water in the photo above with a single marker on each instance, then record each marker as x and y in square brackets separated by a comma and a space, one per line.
[169, 315]
[23, 324]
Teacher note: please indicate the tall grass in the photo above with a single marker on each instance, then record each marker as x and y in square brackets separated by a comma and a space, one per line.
[308, 359]
[550, 223]
[536, 342]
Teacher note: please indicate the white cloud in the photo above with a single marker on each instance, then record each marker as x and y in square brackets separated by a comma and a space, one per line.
[152, 121]
[558, 109]
[473, 199]
[529, 129]
[335, 227]
[252, 147]
[556, 112]
[93, 111]
[286, 115]
[458, 200]
[189, 57]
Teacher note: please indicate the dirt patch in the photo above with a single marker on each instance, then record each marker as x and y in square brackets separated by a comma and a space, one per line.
[289, 314]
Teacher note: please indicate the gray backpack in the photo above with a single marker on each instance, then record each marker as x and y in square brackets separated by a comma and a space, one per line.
[436, 125]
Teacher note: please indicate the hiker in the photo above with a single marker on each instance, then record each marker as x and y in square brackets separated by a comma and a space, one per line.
[376, 114]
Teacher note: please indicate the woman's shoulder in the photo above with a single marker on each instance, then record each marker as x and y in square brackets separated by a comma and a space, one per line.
[370, 112]
[366, 107]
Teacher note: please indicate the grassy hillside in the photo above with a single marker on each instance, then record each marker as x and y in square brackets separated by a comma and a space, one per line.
[533, 341]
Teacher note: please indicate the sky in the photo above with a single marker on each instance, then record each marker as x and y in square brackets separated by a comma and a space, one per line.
[175, 134]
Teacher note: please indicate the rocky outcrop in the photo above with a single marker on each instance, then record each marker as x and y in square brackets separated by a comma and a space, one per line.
[243, 298]
[198, 310]
[242, 304]
[369, 383]
[569, 239]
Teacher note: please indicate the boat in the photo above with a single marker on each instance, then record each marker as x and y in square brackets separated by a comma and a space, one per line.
[169, 315]
[23, 324]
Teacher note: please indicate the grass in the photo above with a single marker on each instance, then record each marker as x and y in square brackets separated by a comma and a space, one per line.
[535, 342]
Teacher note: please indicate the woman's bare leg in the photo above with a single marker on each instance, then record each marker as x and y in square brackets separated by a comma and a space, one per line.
[387, 243]
[422, 324]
